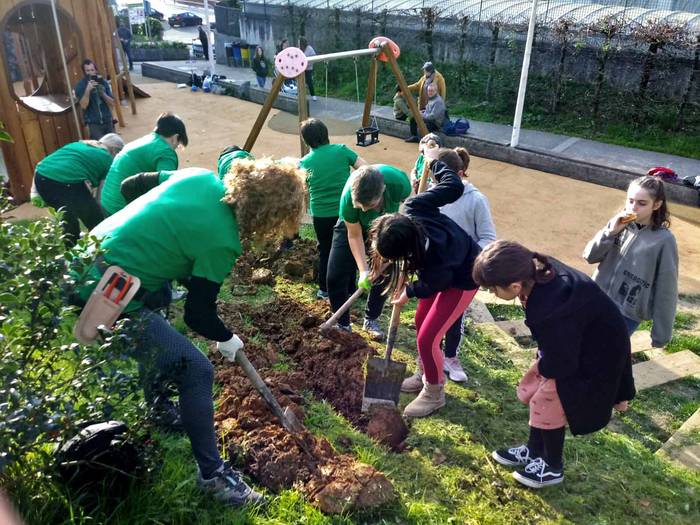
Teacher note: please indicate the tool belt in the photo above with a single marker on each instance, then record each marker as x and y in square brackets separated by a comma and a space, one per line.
[106, 303]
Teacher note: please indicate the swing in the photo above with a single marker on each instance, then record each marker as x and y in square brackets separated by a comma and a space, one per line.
[368, 135]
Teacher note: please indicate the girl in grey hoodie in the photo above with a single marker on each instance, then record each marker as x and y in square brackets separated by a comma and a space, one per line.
[639, 260]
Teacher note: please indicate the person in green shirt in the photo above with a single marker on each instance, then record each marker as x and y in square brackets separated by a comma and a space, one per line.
[61, 180]
[369, 192]
[328, 166]
[189, 228]
[152, 152]
[431, 140]
[227, 156]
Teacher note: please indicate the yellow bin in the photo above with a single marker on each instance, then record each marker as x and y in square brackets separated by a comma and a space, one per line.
[245, 55]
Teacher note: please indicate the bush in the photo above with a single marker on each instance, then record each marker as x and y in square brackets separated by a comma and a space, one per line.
[49, 385]
[155, 27]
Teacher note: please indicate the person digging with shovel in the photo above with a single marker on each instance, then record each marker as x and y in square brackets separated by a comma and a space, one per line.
[423, 242]
[189, 228]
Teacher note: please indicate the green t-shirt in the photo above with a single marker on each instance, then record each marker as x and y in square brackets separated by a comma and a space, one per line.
[329, 168]
[177, 230]
[225, 161]
[76, 162]
[418, 167]
[149, 153]
[396, 188]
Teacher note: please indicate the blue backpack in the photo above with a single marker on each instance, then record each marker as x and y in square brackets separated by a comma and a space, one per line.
[455, 127]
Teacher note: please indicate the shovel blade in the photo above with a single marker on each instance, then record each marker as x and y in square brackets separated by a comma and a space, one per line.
[291, 423]
[383, 383]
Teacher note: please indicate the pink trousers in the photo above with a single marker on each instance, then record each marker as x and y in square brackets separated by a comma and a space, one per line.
[540, 393]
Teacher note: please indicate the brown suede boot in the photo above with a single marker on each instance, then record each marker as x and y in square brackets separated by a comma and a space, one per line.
[414, 383]
[430, 399]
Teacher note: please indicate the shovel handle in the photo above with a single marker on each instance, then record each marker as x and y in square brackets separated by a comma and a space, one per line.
[340, 311]
[393, 330]
[261, 387]
[424, 176]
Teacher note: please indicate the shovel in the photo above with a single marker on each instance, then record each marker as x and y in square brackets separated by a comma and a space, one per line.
[384, 376]
[286, 416]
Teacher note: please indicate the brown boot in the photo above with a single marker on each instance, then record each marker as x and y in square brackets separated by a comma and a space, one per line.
[414, 383]
[430, 399]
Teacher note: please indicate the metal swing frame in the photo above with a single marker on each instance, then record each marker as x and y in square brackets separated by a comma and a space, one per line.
[374, 53]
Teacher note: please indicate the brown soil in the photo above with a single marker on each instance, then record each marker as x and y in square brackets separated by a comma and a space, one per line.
[299, 263]
[277, 459]
[387, 426]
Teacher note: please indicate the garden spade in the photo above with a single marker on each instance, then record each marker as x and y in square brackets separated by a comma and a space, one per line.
[384, 376]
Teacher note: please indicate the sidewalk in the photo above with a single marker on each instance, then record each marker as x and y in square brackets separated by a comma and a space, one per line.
[606, 164]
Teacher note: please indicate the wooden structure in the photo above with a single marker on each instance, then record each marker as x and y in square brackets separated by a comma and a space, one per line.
[381, 48]
[37, 76]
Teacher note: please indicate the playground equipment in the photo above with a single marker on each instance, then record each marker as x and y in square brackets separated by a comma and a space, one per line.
[291, 63]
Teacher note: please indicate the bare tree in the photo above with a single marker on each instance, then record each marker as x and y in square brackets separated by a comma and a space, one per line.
[495, 24]
[563, 34]
[429, 16]
[464, 24]
[691, 87]
[657, 35]
[607, 29]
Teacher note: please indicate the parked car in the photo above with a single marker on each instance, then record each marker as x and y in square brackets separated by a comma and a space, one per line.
[185, 19]
[153, 13]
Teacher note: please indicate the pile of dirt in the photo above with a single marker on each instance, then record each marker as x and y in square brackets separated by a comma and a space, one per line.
[277, 459]
[298, 262]
[332, 365]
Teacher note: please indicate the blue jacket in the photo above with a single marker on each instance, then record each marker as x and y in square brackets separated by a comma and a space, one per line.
[97, 111]
[451, 252]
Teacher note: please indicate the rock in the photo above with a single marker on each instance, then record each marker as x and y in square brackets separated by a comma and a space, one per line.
[294, 269]
[263, 276]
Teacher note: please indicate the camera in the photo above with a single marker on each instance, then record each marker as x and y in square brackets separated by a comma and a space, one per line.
[96, 78]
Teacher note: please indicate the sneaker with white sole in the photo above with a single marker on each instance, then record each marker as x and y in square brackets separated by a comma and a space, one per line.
[372, 327]
[453, 369]
[538, 474]
[227, 486]
[344, 327]
[321, 295]
[513, 457]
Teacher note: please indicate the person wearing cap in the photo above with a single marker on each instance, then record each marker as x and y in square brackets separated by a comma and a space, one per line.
[430, 76]
[61, 178]
[154, 152]
[434, 114]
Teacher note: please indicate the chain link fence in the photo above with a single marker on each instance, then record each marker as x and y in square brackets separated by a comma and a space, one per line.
[624, 71]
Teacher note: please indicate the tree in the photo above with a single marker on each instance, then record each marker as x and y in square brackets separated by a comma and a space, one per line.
[464, 23]
[691, 87]
[429, 16]
[607, 28]
[495, 24]
[562, 33]
[657, 35]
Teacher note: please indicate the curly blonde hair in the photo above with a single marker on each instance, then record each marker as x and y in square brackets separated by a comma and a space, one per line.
[267, 197]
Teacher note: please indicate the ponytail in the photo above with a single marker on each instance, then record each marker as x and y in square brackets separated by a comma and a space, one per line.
[660, 218]
[464, 155]
[505, 262]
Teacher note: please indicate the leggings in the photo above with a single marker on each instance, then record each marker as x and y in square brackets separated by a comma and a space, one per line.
[434, 316]
[323, 226]
[76, 202]
[163, 352]
[453, 337]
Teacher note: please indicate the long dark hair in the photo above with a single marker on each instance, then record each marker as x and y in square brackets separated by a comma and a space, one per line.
[398, 240]
[505, 262]
[660, 218]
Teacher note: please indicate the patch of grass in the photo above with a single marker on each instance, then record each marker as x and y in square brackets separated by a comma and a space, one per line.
[306, 231]
[681, 342]
[506, 312]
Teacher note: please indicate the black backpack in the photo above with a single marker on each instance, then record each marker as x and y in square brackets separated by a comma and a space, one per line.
[100, 454]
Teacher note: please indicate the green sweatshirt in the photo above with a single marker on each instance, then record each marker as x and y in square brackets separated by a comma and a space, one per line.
[639, 271]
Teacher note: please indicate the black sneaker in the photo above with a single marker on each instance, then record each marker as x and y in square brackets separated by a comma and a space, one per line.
[412, 138]
[513, 457]
[538, 474]
[227, 486]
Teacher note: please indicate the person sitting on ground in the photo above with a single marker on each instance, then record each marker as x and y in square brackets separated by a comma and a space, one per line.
[472, 213]
[154, 152]
[583, 367]
[328, 166]
[190, 228]
[401, 110]
[434, 114]
[61, 176]
[369, 192]
[422, 241]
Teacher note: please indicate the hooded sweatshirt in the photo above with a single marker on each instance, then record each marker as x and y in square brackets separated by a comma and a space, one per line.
[471, 212]
[450, 252]
[639, 271]
[435, 111]
[583, 345]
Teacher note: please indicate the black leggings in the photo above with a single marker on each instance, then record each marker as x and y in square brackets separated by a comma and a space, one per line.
[309, 76]
[341, 282]
[75, 201]
[323, 226]
[432, 128]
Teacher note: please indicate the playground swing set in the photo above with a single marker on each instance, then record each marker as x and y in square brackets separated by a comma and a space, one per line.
[291, 63]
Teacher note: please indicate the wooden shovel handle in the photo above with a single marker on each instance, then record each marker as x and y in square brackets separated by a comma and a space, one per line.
[425, 175]
[340, 311]
[393, 330]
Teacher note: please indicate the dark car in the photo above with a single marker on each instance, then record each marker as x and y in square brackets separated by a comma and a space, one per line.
[184, 19]
[153, 13]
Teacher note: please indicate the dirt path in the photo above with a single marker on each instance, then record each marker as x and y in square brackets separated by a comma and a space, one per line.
[552, 214]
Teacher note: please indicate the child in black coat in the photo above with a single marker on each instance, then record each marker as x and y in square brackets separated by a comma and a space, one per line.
[583, 367]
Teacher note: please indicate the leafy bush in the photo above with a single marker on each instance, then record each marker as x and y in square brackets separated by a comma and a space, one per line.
[49, 385]
[155, 27]
[158, 44]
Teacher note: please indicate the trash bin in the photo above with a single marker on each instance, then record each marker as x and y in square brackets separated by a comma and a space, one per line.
[237, 58]
[228, 48]
[245, 54]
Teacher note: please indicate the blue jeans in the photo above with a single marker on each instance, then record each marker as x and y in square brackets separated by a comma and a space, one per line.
[631, 325]
[261, 80]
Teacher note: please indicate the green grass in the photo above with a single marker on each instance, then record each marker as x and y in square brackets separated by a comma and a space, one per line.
[506, 312]
[623, 120]
[612, 476]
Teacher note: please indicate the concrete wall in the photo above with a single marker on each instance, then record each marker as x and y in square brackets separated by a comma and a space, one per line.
[331, 30]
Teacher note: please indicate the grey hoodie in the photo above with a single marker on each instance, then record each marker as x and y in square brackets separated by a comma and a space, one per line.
[471, 212]
[435, 111]
[639, 272]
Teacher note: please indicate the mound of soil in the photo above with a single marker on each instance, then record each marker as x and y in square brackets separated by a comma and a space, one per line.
[277, 459]
[387, 426]
[300, 262]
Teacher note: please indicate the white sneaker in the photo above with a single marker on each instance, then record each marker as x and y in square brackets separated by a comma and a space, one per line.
[453, 369]
[314, 98]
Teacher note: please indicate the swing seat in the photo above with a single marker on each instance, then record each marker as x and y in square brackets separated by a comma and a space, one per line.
[367, 136]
